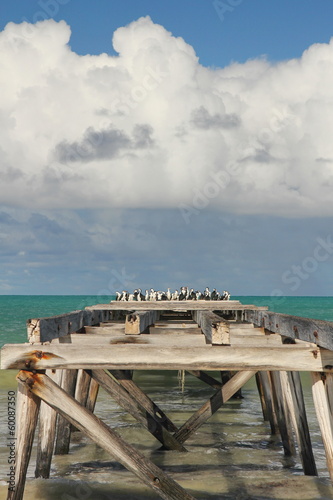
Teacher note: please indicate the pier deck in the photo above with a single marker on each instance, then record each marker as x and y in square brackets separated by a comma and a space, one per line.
[68, 357]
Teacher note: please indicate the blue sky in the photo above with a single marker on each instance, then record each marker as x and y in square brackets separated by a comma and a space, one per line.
[220, 31]
[166, 143]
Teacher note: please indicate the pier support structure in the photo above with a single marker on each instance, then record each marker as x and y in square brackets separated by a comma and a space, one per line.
[59, 381]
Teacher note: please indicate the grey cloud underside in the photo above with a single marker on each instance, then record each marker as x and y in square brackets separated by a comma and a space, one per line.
[9, 173]
[139, 245]
[105, 144]
[202, 119]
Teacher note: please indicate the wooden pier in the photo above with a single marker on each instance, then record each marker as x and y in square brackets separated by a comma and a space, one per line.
[68, 357]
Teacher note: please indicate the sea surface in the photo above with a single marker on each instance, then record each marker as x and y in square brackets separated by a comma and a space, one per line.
[232, 456]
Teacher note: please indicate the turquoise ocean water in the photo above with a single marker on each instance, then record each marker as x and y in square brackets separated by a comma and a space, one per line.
[232, 456]
[16, 309]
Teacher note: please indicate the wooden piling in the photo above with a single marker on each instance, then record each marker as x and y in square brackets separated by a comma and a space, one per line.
[68, 383]
[43, 387]
[92, 395]
[27, 414]
[322, 398]
[46, 433]
[266, 397]
[295, 403]
[282, 413]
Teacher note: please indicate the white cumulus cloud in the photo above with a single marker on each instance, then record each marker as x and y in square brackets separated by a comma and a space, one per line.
[152, 128]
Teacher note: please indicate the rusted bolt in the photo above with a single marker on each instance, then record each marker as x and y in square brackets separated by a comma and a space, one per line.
[156, 480]
[39, 354]
[315, 353]
[315, 333]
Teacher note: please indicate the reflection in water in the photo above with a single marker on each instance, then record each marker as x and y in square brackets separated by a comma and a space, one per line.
[232, 456]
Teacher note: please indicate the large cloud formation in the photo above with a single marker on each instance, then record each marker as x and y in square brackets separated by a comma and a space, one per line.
[152, 128]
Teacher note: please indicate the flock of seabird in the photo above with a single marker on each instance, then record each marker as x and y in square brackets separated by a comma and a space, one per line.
[184, 293]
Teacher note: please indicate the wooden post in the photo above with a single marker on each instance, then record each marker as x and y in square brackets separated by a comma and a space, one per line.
[124, 379]
[43, 387]
[46, 433]
[263, 379]
[282, 414]
[126, 401]
[138, 321]
[68, 382]
[295, 403]
[323, 405]
[27, 414]
[212, 405]
[215, 328]
[92, 395]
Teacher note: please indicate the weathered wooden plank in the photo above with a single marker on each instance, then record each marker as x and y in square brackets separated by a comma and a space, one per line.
[120, 329]
[310, 330]
[105, 437]
[294, 357]
[176, 339]
[295, 403]
[215, 329]
[138, 321]
[212, 405]
[159, 330]
[255, 340]
[146, 403]
[20, 448]
[46, 329]
[46, 433]
[324, 415]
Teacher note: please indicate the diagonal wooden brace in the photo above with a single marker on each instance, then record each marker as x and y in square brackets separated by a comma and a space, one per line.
[129, 403]
[212, 405]
[147, 404]
[43, 387]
